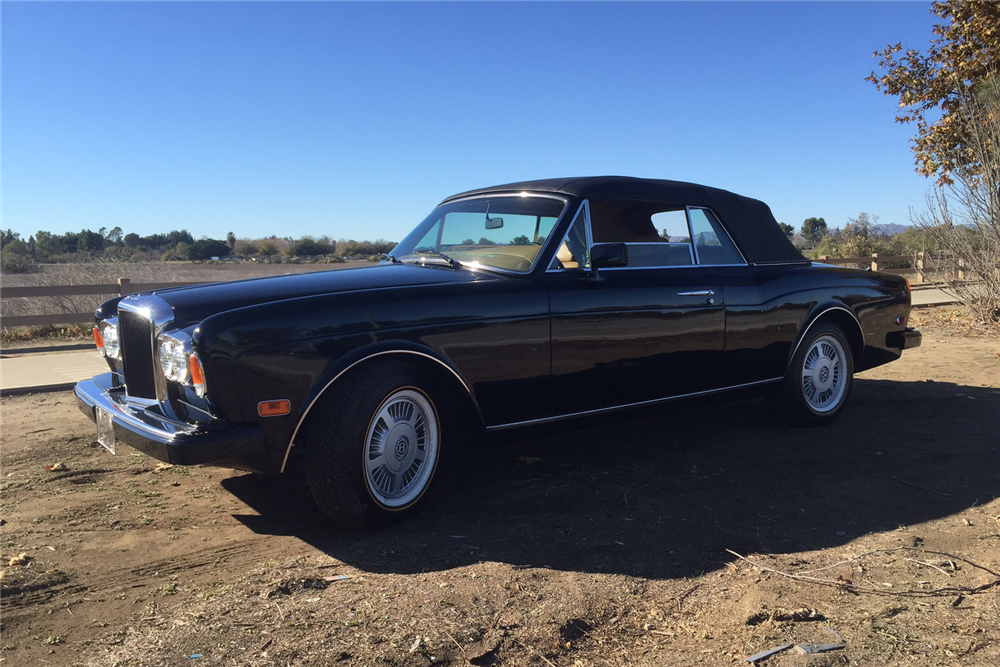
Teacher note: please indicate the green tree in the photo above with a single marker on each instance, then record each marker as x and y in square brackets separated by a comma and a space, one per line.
[178, 253]
[207, 249]
[267, 248]
[931, 86]
[16, 258]
[8, 235]
[88, 241]
[787, 229]
[114, 237]
[813, 229]
[520, 240]
[174, 237]
[246, 249]
[231, 242]
[308, 246]
[860, 237]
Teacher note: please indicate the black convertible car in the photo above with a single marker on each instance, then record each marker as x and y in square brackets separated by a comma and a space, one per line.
[507, 306]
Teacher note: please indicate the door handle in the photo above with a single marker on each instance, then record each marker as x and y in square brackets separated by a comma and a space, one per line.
[704, 292]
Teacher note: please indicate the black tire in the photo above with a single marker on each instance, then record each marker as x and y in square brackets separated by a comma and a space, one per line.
[373, 444]
[818, 381]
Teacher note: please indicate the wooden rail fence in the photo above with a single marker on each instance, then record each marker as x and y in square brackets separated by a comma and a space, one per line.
[123, 287]
[923, 264]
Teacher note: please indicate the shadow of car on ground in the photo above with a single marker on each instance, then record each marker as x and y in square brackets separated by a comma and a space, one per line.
[663, 493]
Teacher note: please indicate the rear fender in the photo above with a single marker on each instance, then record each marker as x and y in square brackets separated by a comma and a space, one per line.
[839, 314]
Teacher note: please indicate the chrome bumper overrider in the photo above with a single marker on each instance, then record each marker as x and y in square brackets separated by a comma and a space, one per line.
[147, 429]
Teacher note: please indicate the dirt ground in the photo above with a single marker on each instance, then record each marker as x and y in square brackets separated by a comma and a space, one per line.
[610, 542]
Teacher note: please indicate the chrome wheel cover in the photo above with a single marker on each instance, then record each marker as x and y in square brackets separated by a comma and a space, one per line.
[401, 448]
[824, 374]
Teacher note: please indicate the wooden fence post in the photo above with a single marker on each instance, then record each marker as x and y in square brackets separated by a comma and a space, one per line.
[124, 286]
[920, 267]
[875, 261]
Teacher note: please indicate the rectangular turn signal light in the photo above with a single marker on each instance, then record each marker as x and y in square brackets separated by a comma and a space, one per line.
[274, 408]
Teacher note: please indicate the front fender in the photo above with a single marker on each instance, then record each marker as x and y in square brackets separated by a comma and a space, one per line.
[342, 366]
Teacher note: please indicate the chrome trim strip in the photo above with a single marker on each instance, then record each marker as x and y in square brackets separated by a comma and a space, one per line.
[695, 258]
[805, 331]
[703, 292]
[291, 442]
[546, 420]
[523, 193]
[671, 266]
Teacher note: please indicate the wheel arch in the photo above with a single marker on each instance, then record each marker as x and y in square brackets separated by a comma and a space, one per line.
[442, 372]
[843, 317]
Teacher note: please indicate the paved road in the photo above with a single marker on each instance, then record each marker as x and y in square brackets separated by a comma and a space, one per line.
[24, 371]
[932, 296]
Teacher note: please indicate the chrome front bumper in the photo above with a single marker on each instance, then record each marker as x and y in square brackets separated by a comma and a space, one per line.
[146, 428]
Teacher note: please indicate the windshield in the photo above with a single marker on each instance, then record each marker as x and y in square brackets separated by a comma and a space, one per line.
[496, 232]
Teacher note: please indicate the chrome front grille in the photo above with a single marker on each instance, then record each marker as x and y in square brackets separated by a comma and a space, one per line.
[137, 338]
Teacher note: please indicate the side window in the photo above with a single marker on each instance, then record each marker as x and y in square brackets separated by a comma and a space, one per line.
[672, 226]
[574, 251]
[711, 241]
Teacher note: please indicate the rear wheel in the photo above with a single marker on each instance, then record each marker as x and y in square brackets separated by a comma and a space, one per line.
[373, 445]
[818, 380]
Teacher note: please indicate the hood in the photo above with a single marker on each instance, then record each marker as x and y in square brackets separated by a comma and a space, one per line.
[194, 303]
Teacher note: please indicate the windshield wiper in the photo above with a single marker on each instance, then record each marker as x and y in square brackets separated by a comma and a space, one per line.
[435, 254]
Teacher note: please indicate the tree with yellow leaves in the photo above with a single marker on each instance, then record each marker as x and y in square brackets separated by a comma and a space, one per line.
[932, 86]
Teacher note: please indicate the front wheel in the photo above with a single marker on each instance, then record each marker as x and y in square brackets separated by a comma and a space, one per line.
[818, 380]
[373, 445]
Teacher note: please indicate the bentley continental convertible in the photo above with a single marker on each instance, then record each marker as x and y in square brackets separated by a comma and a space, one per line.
[507, 306]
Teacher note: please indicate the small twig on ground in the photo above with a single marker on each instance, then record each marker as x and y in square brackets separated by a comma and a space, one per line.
[454, 640]
[920, 562]
[849, 560]
[679, 600]
[828, 582]
[922, 488]
[854, 588]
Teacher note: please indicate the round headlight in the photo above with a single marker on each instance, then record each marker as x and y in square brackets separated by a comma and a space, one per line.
[167, 357]
[178, 363]
[112, 349]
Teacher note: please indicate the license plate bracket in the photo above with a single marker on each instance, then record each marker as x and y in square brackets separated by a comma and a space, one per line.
[105, 430]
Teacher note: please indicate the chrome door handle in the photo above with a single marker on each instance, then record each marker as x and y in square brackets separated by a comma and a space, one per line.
[704, 292]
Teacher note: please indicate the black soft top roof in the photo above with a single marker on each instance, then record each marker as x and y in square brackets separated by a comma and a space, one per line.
[749, 221]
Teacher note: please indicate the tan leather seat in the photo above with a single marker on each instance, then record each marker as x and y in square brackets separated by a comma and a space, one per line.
[566, 257]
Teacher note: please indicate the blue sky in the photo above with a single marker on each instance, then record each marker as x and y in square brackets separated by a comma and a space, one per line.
[354, 120]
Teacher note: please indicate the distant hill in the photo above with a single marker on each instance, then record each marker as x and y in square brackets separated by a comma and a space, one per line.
[891, 228]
